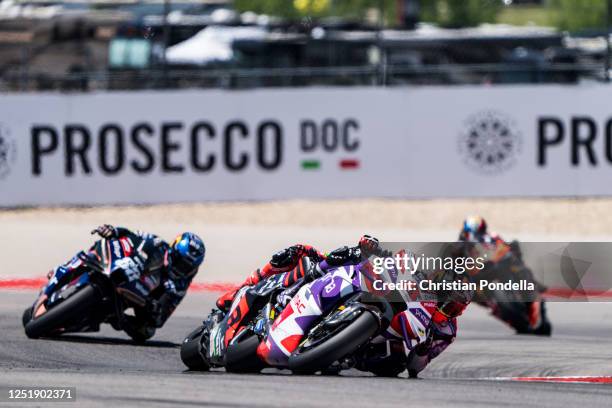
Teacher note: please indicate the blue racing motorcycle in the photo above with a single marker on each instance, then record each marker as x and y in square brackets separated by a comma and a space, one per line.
[98, 286]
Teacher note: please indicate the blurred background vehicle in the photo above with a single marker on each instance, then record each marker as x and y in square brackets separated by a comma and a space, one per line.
[77, 45]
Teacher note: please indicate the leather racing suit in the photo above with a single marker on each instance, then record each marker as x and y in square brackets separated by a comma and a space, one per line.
[162, 302]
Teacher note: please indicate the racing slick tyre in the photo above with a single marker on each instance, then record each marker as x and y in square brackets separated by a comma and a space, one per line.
[545, 327]
[64, 313]
[339, 344]
[193, 352]
[242, 357]
[515, 314]
[27, 316]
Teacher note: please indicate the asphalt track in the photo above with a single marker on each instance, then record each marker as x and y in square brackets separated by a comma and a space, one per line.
[108, 370]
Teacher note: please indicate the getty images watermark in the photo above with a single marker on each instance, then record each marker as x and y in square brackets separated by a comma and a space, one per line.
[509, 272]
[439, 272]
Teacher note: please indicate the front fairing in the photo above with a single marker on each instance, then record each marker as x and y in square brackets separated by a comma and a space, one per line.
[259, 306]
[219, 329]
[65, 291]
[118, 261]
[126, 266]
[415, 322]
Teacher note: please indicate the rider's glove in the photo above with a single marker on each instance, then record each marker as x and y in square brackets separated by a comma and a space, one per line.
[343, 256]
[313, 254]
[106, 231]
[286, 257]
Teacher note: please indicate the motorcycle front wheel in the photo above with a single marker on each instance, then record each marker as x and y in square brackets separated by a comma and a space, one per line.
[334, 345]
[58, 317]
[192, 351]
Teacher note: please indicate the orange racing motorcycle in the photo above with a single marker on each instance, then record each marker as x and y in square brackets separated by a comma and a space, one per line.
[525, 310]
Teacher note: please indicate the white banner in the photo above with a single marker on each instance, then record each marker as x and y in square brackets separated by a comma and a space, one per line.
[155, 147]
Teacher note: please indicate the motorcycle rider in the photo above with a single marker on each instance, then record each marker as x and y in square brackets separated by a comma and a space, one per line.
[442, 330]
[178, 263]
[293, 258]
[289, 258]
[443, 325]
[502, 258]
[475, 230]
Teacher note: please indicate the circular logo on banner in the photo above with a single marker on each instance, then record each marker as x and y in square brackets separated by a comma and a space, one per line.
[8, 151]
[490, 142]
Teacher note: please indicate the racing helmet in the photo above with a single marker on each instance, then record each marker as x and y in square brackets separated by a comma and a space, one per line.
[186, 255]
[369, 245]
[474, 227]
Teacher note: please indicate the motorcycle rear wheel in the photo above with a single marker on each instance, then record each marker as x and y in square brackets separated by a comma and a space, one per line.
[242, 357]
[64, 313]
[338, 345]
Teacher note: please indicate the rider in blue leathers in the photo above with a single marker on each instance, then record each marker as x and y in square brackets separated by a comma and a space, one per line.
[179, 263]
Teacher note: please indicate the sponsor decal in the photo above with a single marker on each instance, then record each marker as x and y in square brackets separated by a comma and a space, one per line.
[490, 142]
[126, 245]
[117, 249]
[130, 267]
[113, 149]
[331, 136]
[216, 342]
[581, 140]
[144, 148]
[420, 315]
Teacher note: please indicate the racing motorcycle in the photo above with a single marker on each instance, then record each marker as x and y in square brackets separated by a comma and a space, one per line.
[102, 285]
[207, 346]
[349, 333]
[524, 311]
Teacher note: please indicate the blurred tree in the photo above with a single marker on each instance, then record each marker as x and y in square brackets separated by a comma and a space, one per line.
[283, 8]
[449, 13]
[460, 13]
[574, 15]
[317, 8]
[357, 8]
[311, 7]
[430, 10]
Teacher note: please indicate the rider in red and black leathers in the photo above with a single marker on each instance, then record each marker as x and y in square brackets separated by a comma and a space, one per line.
[281, 262]
[289, 258]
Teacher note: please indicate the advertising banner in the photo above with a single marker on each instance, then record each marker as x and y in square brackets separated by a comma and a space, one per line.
[156, 147]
